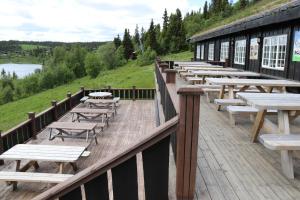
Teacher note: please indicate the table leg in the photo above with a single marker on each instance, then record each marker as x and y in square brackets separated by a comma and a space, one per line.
[259, 121]
[87, 135]
[95, 136]
[286, 156]
[61, 168]
[74, 166]
[230, 91]
[221, 95]
[18, 166]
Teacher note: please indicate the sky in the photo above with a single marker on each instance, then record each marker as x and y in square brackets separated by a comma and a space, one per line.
[82, 20]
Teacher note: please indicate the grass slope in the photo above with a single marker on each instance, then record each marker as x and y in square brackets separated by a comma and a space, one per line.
[124, 77]
[260, 6]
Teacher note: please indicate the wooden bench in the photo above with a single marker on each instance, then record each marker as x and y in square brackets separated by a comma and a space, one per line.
[32, 177]
[83, 99]
[229, 102]
[289, 142]
[235, 110]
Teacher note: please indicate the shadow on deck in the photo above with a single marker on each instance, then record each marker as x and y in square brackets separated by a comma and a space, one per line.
[134, 119]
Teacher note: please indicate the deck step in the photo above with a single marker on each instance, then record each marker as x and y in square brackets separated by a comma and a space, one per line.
[280, 141]
[228, 102]
[33, 177]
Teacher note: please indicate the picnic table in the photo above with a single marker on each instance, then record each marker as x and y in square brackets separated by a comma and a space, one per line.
[51, 153]
[260, 84]
[88, 113]
[282, 102]
[209, 69]
[98, 95]
[72, 130]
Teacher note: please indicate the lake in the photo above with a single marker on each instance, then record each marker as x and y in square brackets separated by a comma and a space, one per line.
[21, 70]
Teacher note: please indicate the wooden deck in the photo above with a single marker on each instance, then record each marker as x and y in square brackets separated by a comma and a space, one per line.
[134, 119]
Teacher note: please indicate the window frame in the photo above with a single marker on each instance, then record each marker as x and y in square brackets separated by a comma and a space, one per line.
[211, 51]
[240, 52]
[270, 44]
[202, 52]
[198, 51]
[224, 52]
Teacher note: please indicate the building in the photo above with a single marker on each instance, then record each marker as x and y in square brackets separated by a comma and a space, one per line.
[268, 43]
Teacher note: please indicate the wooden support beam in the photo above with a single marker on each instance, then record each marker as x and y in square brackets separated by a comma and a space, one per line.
[171, 75]
[54, 105]
[187, 142]
[69, 105]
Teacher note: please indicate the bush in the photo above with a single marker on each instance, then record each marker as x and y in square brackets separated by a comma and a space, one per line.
[92, 65]
[107, 56]
[147, 57]
[120, 60]
[63, 75]
[6, 95]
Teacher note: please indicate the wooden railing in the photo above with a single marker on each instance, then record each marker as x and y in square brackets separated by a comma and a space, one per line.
[36, 123]
[181, 110]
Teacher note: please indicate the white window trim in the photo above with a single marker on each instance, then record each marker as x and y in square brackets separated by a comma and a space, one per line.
[277, 52]
[198, 51]
[202, 52]
[224, 51]
[211, 51]
[240, 56]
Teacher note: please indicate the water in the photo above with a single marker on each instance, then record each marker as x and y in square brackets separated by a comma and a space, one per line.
[21, 70]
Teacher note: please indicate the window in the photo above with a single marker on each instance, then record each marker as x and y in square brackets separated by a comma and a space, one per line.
[202, 52]
[240, 52]
[274, 52]
[224, 51]
[253, 49]
[198, 52]
[211, 51]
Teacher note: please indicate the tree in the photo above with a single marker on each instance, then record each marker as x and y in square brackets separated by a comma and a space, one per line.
[127, 44]
[151, 37]
[92, 65]
[59, 54]
[165, 23]
[6, 95]
[205, 10]
[137, 35]
[243, 3]
[117, 41]
[75, 60]
[176, 33]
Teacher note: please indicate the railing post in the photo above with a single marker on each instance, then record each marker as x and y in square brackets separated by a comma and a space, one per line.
[54, 105]
[69, 95]
[83, 92]
[171, 75]
[163, 66]
[133, 93]
[1, 147]
[31, 117]
[187, 142]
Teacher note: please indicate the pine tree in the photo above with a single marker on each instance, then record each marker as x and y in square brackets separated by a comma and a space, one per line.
[127, 45]
[137, 35]
[205, 10]
[176, 33]
[151, 37]
[117, 41]
[243, 3]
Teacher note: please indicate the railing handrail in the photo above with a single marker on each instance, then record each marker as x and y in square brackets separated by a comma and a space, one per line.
[104, 165]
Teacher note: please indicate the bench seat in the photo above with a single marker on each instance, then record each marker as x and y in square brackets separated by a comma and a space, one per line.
[241, 109]
[33, 177]
[280, 141]
[83, 99]
[228, 102]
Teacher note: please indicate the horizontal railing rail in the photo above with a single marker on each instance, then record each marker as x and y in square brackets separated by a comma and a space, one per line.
[28, 129]
[155, 152]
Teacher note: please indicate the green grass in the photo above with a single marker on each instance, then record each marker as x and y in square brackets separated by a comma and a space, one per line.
[20, 59]
[124, 77]
[260, 6]
[183, 56]
[28, 47]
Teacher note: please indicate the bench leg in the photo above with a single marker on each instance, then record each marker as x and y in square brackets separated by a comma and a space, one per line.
[232, 119]
[286, 156]
[15, 183]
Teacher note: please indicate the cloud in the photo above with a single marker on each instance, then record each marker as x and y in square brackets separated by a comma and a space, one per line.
[80, 20]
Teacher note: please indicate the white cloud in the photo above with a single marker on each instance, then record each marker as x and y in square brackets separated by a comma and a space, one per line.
[79, 20]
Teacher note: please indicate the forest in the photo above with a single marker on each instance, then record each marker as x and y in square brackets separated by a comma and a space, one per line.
[65, 62]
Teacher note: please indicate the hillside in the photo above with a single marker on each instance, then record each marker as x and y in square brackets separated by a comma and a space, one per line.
[123, 77]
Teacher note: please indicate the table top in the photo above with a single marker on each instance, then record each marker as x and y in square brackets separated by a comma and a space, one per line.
[253, 82]
[275, 101]
[225, 73]
[100, 94]
[55, 153]
[209, 69]
[89, 110]
[73, 126]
